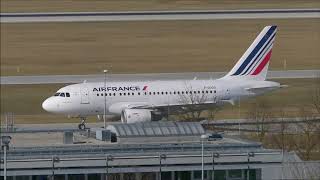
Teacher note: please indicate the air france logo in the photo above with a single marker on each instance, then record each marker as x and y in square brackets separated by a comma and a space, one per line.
[114, 88]
[120, 88]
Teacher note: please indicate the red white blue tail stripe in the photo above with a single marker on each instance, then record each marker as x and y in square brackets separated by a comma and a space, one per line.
[256, 58]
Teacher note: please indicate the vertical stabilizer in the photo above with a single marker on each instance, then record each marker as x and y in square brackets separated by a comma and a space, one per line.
[254, 62]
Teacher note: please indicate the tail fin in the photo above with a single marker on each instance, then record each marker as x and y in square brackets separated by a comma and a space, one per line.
[255, 61]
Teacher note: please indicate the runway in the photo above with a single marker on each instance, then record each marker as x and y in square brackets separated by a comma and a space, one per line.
[52, 79]
[158, 15]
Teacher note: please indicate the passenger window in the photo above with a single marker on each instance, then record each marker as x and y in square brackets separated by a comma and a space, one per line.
[199, 92]
[62, 95]
[162, 93]
[68, 94]
[114, 94]
[97, 94]
[206, 91]
[110, 94]
[120, 94]
[215, 91]
[210, 91]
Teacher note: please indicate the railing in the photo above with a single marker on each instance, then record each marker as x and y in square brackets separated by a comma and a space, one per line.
[16, 153]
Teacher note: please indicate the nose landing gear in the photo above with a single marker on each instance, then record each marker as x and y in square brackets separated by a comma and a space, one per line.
[82, 125]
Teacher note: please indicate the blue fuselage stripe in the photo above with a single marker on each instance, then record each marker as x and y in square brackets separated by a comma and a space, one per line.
[255, 50]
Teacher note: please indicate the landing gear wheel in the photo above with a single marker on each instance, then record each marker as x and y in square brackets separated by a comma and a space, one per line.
[82, 126]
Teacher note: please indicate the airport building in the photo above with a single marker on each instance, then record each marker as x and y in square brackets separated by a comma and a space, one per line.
[155, 150]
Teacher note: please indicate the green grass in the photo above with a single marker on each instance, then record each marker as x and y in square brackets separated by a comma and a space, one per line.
[151, 47]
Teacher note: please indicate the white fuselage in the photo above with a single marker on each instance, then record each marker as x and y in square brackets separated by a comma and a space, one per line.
[88, 98]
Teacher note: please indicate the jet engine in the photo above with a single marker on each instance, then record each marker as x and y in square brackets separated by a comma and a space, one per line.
[139, 115]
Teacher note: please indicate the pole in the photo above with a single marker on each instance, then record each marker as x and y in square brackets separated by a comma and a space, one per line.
[105, 98]
[52, 168]
[5, 162]
[160, 170]
[107, 166]
[213, 166]
[7, 126]
[248, 167]
[202, 172]
[282, 164]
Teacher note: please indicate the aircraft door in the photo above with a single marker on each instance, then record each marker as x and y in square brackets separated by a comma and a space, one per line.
[84, 92]
[215, 96]
[227, 93]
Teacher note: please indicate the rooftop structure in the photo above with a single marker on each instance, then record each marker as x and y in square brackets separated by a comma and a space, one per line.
[44, 154]
[157, 132]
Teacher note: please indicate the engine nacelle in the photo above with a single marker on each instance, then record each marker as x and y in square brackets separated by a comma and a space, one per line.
[109, 117]
[138, 115]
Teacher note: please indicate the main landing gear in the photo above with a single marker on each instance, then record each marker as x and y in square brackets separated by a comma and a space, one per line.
[82, 126]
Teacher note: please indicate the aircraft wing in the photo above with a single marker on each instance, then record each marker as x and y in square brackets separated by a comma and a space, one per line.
[181, 108]
[172, 108]
[260, 89]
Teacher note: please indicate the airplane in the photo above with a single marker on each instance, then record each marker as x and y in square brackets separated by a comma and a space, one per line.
[150, 100]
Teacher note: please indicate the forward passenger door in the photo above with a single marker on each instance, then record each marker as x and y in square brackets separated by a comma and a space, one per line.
[84, 93]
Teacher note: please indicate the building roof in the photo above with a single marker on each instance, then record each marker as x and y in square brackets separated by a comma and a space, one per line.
[157, 129]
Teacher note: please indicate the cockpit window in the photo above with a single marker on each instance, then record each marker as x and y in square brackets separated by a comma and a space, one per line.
[67, 95]
[62, 94]
[56, 94]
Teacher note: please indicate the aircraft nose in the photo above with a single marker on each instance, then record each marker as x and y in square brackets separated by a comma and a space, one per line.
[48, 105]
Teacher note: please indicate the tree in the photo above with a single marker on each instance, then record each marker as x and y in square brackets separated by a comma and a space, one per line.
[260, 112]
[316, 94]
[195, 103]
[281, 140]
[306, 138]
[213, 110]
